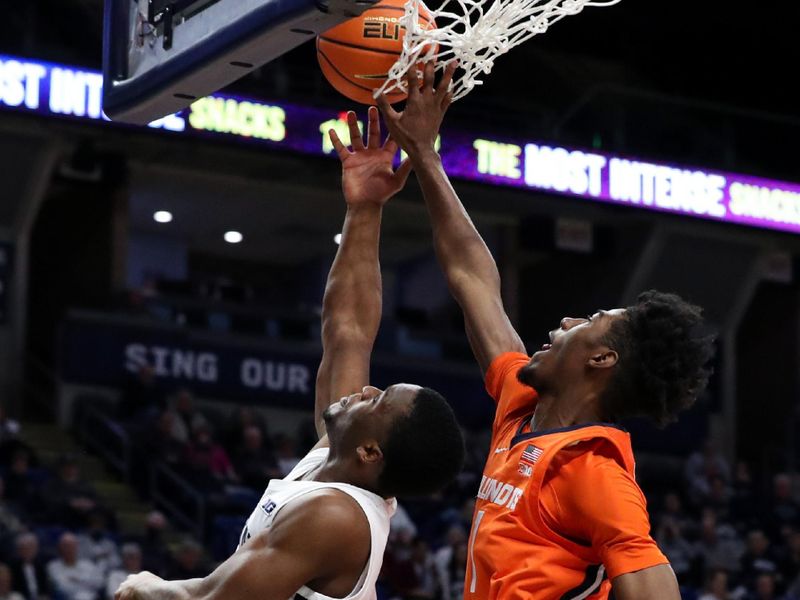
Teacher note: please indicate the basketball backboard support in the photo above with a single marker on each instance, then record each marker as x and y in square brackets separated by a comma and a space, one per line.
[161, 55]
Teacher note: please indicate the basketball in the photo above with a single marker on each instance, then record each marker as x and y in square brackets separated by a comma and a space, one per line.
[356, 56]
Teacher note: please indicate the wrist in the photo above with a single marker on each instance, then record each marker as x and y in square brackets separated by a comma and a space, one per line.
[365, 208]
[180, 590]
[425, 157]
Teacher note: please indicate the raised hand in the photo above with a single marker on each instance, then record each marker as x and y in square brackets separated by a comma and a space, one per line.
[368, 175]
[417, 127]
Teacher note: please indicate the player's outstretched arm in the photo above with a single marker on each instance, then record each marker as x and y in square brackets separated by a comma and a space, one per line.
[468, 265]
[351, 308]
[655, 583]
[313, 542]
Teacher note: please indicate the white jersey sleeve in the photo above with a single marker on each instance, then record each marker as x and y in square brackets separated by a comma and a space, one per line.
[298, 483]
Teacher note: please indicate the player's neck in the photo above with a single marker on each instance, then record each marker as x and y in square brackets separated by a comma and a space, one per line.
[337, 470]
[565, 409]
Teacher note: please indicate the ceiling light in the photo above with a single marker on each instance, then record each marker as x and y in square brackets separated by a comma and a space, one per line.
[337, 239]
[233, 237]
[162, 216]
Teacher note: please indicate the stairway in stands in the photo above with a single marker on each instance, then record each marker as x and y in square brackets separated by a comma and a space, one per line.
[51, 442]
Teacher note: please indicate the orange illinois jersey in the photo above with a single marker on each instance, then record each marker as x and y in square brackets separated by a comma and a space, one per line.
[558, 513]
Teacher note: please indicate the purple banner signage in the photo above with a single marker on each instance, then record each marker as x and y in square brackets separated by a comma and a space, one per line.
[58, 90]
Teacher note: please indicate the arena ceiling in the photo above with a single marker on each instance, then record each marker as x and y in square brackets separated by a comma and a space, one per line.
[704, 83]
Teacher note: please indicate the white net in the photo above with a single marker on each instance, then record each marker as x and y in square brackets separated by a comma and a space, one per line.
[474, 32]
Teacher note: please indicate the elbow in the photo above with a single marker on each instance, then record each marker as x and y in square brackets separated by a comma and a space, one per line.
[348, 303]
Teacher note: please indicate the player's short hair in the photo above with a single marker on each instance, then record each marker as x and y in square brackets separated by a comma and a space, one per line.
[663, 359]
[425, 449]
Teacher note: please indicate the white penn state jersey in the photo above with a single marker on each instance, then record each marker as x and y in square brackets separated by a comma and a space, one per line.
[281, 492]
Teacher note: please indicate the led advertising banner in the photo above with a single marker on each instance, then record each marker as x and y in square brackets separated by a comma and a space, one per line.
[57, 90]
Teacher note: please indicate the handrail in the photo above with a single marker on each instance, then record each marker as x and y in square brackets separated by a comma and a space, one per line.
[106, 437]
[170, 491]
[40, 385]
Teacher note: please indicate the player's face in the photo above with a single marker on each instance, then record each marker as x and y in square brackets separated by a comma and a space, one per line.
[369, 413]
[567, 356]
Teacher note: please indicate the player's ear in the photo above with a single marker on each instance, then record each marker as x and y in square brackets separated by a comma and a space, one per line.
[369, 452]
[603, 358]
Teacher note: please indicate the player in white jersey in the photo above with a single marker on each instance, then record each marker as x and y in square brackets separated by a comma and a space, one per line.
[320, 533]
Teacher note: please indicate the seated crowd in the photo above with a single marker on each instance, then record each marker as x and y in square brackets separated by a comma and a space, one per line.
[725, 536]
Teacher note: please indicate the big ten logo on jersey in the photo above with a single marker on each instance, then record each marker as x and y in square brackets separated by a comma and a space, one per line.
[382, 28]
[269, 507]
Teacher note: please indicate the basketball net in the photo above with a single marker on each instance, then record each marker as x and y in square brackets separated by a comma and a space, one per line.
[475, 33]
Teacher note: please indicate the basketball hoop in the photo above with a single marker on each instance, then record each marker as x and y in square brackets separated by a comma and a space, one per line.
[475, 33]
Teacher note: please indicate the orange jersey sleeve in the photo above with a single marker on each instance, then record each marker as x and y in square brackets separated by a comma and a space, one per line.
[511, 396]
[588, 496]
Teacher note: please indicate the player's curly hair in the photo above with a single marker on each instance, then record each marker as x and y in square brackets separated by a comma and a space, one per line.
[425, 449]
[663, 359]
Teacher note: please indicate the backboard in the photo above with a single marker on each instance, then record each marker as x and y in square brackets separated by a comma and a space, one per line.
[161, 55]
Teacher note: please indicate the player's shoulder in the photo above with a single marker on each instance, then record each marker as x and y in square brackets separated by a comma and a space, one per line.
[596, 458]
[325, 527]
[327, 511]
[583, 472]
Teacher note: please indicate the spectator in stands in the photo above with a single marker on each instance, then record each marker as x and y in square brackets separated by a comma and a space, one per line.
[702, 468]
[719, 497]
[140, 396]
[716, 586]
[402, 527]
[21, 489]
[10, 523]
[783, 508]
[673, 511]
[237, 423]
[9, 428]
[452, 584]
[718, 546]
[285, 453]
[790, 563]
[424, 571]
[208, 461]
[410, 570]
[161, 441]
[154, 548]
[131, 564]
[253, 462]
[450, 563]
[306, 434]
[188, 561]
[676, 548]
[743, 503]
[71, 577]
[70, 499]
[459, 515]
[6, 590]
[28, 570]
[185, 419]
[759, 557]
[764, 588]
[97, 545]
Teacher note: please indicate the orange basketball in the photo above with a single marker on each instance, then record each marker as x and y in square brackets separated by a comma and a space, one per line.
[356, 56]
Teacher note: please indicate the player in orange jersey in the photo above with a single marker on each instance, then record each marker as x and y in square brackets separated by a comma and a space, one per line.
[558, 514]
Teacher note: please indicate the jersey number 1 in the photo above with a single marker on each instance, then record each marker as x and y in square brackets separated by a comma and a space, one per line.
[474, 580]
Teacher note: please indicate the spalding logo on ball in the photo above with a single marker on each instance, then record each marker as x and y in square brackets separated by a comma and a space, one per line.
[356, 56]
